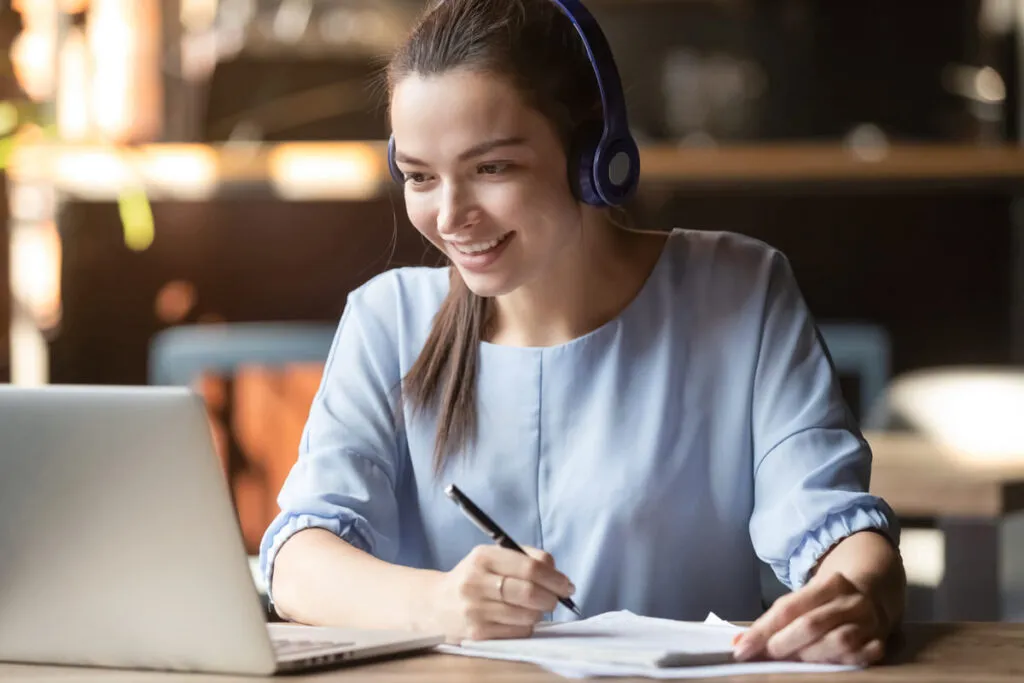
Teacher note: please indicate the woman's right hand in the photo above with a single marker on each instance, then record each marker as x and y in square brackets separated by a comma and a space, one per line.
[495, 592]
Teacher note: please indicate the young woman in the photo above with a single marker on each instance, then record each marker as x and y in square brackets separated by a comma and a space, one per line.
[651, 412]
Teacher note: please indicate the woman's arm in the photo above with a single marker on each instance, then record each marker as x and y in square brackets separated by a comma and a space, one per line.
[493, 593]
[845, 612]
[814, 519]
[320, 579]
[870, 562]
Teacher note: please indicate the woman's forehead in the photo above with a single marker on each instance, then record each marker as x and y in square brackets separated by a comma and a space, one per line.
[458, 110]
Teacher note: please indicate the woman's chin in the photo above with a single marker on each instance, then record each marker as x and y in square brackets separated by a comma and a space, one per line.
[486, 285]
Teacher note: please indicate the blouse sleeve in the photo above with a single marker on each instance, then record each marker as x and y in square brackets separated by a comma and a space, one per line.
[812, 466]
[344, 478]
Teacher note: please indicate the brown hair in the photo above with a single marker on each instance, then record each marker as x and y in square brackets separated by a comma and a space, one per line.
[535, 46]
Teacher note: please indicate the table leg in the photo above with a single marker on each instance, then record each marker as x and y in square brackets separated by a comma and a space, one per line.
[971, 586]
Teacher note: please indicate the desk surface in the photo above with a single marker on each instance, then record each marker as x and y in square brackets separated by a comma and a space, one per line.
[932, 653]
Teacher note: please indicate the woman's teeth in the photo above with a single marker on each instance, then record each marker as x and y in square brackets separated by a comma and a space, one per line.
[479, 247]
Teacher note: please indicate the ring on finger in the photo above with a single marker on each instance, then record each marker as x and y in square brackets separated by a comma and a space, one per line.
[501, 588]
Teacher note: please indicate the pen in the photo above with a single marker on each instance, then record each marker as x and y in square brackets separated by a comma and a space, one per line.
[477, 516]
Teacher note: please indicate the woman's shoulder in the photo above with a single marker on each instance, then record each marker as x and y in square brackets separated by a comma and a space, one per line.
[723, 260]
[400, 299]
[721, 249]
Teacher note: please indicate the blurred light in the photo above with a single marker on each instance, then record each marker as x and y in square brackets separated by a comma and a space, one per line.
[30, 357]
[185, 171]
[34, 62]
[123, 38]
[198, 15]
[28, 159]
[91, 173]
[975, 414]
[174, 301]
[351, 171]
[868, 142]
[924, 556]
[237, 13]
[292, 20]
[8, 118]
[989, 85]
[31, 202]
[136, 219]
[73, 88]
[199, 54]
[997, 16]
[74, 6]
[33, 51]
[35, 271]
[984, 84]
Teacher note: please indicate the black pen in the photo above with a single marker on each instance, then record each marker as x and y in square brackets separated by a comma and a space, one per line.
[477, 516]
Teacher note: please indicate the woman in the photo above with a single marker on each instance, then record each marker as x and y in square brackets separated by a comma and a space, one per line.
[653, 410]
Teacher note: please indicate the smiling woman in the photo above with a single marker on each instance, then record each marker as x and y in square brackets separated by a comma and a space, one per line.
[483, 136]
[655, 409]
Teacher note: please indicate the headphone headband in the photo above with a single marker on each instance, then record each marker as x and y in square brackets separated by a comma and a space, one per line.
[604, 170]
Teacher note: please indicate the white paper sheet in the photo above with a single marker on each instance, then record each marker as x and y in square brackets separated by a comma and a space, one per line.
[625, 644]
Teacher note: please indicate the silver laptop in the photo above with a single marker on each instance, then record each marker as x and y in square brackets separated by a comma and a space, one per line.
[119, 545]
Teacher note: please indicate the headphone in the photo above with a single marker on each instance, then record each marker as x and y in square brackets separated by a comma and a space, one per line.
[604, 164]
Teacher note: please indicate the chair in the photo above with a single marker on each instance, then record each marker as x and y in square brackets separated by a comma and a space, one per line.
[862, 350]
[180, 355]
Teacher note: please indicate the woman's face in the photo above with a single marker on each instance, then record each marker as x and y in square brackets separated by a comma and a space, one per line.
[485, 178]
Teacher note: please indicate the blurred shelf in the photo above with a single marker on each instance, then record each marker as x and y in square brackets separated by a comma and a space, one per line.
[831, 162]
[357, 170]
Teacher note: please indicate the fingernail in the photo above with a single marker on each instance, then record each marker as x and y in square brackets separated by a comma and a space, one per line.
[736, 639]
[572, 589]
[744, 650]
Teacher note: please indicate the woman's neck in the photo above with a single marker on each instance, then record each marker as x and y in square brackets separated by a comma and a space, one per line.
[592, 286]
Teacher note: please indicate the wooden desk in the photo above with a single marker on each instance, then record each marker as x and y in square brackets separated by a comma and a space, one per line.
[968, 501]
[926, 653]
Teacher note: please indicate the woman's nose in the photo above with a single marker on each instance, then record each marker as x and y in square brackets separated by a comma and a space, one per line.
[456, 212]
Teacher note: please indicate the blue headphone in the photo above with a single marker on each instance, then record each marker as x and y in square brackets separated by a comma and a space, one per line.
[604, 165]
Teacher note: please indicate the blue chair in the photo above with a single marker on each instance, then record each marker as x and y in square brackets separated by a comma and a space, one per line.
[180, 355]
[862, 350]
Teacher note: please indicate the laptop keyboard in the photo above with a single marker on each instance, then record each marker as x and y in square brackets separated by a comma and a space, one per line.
[288, 647]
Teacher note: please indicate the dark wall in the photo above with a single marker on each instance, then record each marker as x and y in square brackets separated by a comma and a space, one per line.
[246, 260]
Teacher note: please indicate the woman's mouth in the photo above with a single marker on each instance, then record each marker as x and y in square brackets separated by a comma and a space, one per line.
[479, 255]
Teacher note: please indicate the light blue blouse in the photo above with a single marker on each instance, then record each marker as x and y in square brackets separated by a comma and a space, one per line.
[656, 458]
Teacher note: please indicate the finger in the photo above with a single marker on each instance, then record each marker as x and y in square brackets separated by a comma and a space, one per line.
[540, 555]
[814, 625]
[838, 645]
[787, 609]
[869, 654]
[512, 564]
[490, 611]
[493, 631]
[528, 595]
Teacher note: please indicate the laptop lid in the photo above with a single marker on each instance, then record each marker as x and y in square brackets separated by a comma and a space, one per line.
[119, 544]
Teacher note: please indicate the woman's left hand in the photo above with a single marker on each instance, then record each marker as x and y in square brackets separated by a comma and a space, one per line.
[829, 620]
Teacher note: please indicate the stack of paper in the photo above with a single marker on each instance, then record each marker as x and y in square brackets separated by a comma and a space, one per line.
[625, 644]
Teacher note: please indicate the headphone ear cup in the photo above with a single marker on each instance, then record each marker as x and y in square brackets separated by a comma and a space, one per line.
[582, 152]
[396, 174]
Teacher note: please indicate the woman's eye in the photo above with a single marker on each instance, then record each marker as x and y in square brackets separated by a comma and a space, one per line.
[415, 178]
[492, 169]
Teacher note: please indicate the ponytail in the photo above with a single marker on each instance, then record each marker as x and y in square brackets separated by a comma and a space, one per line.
[444, 375]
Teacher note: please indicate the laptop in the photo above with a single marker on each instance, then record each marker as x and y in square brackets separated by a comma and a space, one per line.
[120, 547]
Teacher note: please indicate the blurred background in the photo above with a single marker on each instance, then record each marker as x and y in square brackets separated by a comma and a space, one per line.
[191, 187]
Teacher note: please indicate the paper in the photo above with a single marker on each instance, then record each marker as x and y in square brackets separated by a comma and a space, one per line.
[625, 644]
